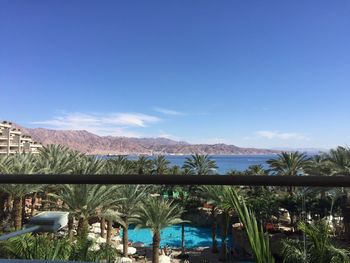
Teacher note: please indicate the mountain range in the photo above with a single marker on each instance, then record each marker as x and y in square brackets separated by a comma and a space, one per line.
[90, 143]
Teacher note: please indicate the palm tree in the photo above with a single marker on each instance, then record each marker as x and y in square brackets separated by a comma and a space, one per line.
[57, 159]
[258, 241]
[340, 160]
[256, 170]
[18, 192]
[316, 249]
[118, 165]
[84, 201]
[340, 164]
[175, 170]
[184, 197]
[88, 165]
[161, 165]
[200, 164]
[289, 164]
[143, 165]
[215, 194]
[18, 164]
[130, 198]
[110, 216]
[156, 214]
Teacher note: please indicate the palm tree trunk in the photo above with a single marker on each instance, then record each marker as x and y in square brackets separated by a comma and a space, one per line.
[183, 239]
[17, 212]
[70, 227]
[223, 253]
[213, 231]
[102, 226]
[346, 216]
[156, 243]
[9, 203]
[45, 201]
[125, 238]
[32, 211]
[82, 226]
[109, 231]
[23, 207]
[3, 198]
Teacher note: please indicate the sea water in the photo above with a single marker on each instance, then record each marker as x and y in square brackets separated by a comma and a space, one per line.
[225, 163]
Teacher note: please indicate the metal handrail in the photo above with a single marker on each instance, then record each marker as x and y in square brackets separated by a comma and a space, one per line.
[251, 180]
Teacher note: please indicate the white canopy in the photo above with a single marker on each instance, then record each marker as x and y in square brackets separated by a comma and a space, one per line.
[116, 238]
[131, 250]
[91, 236]
[164, 259]
[96, 225]
[94, 247]
[126, 260]
[101, 240]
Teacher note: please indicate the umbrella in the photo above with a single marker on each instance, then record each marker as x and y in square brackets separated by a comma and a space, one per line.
[138, 244]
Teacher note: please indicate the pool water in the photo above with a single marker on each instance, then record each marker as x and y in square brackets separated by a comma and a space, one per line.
[171, 236]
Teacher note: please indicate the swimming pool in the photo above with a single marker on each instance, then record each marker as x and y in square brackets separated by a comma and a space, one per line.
[171, 236]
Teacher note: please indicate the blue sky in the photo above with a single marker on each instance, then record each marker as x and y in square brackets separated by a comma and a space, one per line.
[250, 73]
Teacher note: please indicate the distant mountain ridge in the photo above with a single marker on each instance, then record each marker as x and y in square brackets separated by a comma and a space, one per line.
[90, 143]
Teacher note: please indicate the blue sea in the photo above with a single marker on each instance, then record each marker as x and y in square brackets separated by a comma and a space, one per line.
[225, 163]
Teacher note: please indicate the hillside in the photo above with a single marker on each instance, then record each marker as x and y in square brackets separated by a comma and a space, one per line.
[90, 143]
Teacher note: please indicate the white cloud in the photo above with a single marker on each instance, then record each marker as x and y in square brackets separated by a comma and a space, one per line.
[117, 124]
[168, 111]
[271, 135]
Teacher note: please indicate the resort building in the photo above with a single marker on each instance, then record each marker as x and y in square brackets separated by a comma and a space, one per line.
[12, 141]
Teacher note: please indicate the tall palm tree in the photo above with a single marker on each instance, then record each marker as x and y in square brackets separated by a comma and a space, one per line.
[340, 160]
[118, 165]
[257, 169]
[110, 216]
[175, 170]
[289, 164]
[340, 164]
[215, 194]
[130, 198]
[200, 164]
[57, 159]
[183, 198]
[18, 164]
[88, 165]
[160, 165]
[317, 248]
[143, 165]
[18, 192]
[84, 201]
[156, 214]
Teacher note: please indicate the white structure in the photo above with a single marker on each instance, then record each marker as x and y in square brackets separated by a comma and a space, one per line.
[12, 141]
